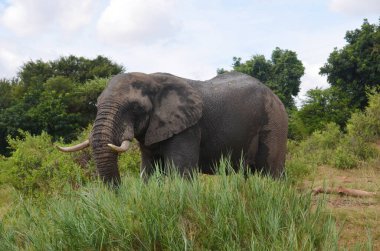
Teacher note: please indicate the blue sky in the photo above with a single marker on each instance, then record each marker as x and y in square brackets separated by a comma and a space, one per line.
[188, 38]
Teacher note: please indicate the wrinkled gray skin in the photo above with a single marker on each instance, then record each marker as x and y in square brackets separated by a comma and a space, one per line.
[190, 124]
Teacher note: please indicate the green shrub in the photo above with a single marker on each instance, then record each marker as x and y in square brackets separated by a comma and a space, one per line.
[366, 125]
[298, 168]
[328, 138]
[359, 147]
[344, 159]
[297, 129]
[332, 147]
[321, 106]
[318, 148]
[36, 166]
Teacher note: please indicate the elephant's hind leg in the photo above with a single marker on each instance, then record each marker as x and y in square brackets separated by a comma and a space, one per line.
[272, 139]
[271, 153]
[250, 156]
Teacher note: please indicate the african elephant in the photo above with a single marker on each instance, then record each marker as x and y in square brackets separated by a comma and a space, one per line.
[188, 123]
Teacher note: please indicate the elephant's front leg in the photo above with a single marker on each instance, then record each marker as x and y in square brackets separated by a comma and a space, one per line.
[182, 151]
[150, 159]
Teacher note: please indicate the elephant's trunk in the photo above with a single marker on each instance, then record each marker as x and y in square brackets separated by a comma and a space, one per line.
[106, 164]
[107, 130]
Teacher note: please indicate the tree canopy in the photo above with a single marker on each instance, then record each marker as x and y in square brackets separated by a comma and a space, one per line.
[54, 96]
[321, 106]
[356, 67]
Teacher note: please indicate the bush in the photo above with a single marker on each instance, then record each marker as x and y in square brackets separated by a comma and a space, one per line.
[327, 138]
[297, 168]
[366, 125]
[322, 106]
[36, 166]
[362, 128]
[332, 147]
[317, 148]
[359, 147]
[297, 129]
[344, 159]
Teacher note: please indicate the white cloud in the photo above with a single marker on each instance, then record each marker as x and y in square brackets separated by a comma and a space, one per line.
[188, 38]
[24, 17]
[9, 61]
[29, 17]
[128, 21]
[179, 60]
[75, 14]
[356, 7]
[312, 79]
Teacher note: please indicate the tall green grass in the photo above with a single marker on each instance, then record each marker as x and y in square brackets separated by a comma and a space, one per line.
[222, 212]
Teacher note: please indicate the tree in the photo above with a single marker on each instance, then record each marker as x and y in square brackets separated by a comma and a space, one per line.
[78, 69]
[282, 73]
[356, 67]
[323, 106]
[57, 96]
[7, 94]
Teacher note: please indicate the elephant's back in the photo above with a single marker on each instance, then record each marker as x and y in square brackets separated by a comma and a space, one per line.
[235, 79]
[227, 84]
[226, 87]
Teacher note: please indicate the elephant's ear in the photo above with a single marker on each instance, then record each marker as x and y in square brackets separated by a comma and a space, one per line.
[177, 106]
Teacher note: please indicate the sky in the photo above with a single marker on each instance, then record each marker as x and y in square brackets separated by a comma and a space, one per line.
[189, 38]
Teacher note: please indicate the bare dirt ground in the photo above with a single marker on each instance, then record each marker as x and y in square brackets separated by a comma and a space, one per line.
[358, 218]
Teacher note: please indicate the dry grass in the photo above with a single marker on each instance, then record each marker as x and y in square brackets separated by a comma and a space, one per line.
[6, 199]
[357, 218]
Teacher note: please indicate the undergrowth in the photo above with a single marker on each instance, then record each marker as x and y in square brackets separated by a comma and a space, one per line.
[332, 147]
[36, 168]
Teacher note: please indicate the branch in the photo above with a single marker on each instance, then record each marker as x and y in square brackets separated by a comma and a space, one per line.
[343, 191]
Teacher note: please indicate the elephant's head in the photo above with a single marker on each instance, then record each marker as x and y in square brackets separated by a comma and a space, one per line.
[150, 108]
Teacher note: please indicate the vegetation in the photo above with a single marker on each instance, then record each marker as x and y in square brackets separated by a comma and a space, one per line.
[58, 97]
[367, 125]
[355, 68]
[330, 146]
[169, 213]
[321, 106]
[36, 168]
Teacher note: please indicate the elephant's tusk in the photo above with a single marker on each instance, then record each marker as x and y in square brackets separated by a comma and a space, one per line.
[75, 148]
[122, 148]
